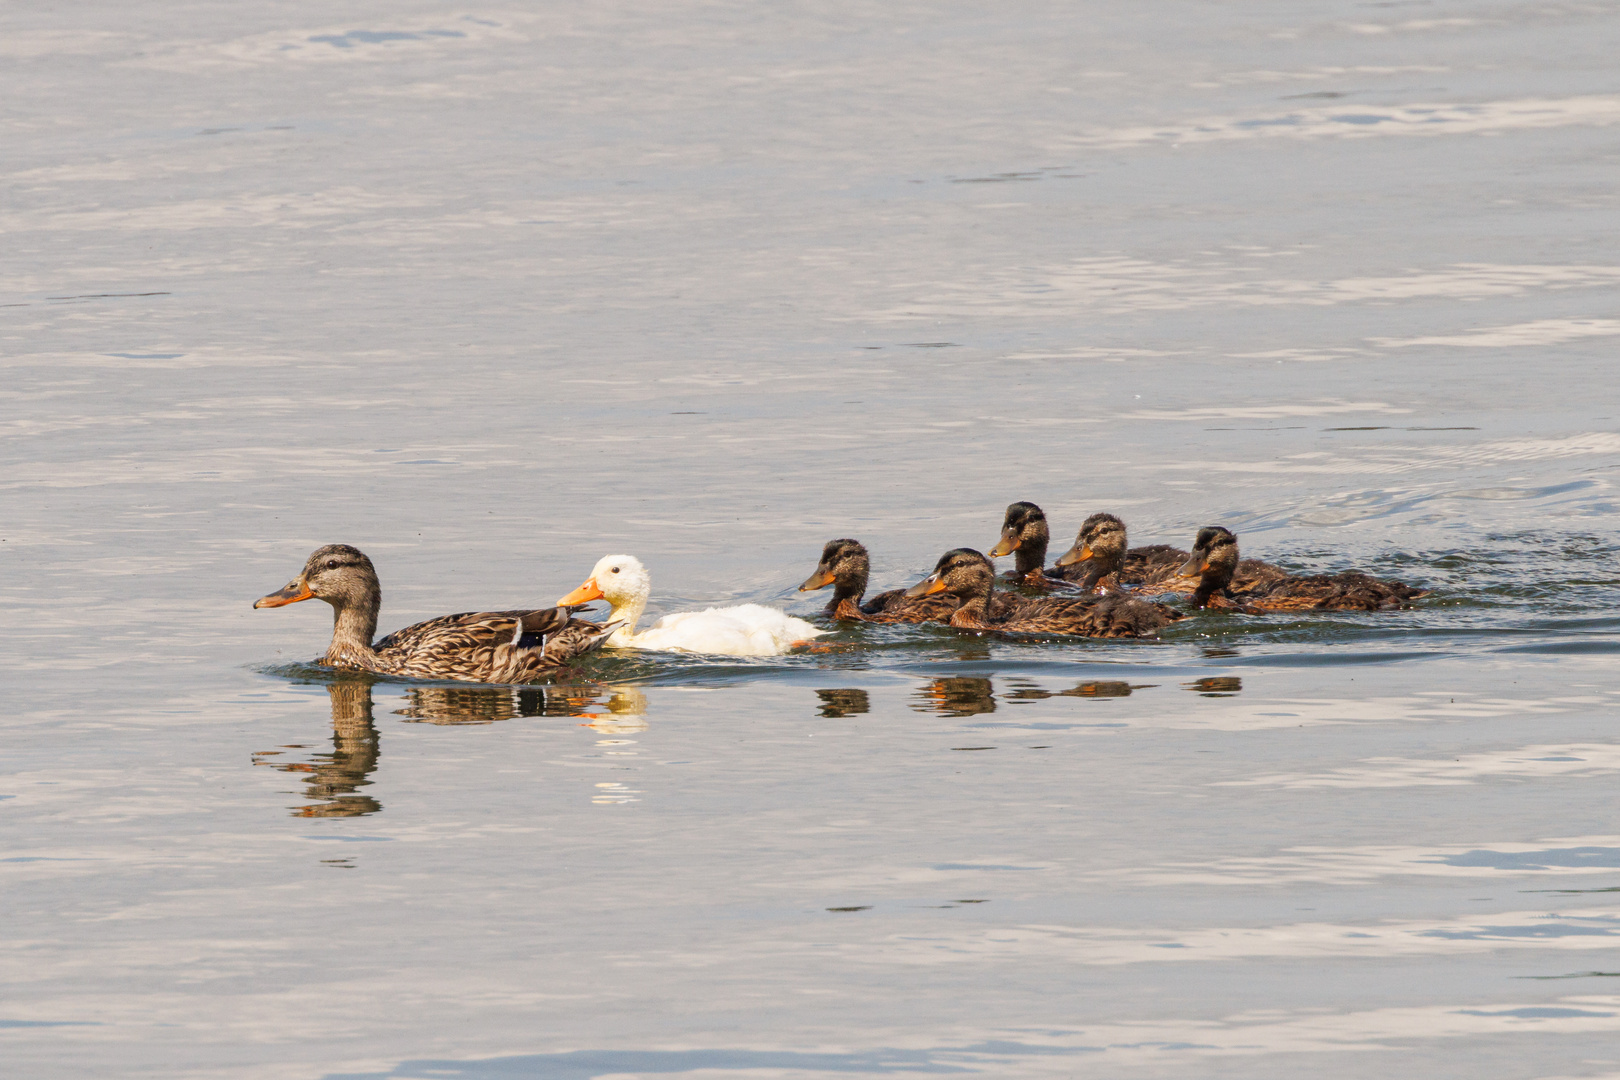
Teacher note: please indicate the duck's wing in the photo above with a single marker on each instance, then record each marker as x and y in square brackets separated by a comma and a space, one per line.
[1152, 565]
[1106, 616]
[1347, 591]
[895, 606]
[489, 646]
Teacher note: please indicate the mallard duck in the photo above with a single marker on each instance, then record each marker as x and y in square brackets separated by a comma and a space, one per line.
[744, 630]
[1215, 560]
[1024, 533]
[968, 576]
[1147, 571]
[480, 646]
[845, 566]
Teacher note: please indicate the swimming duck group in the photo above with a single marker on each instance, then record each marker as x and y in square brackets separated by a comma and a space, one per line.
[1100, 587]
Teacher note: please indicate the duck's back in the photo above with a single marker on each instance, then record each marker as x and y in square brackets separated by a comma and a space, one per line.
[743, 630]
[488, 646]
[1110, 615]
[1346, 591]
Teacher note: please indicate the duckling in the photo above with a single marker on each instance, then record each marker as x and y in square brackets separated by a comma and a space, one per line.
[1148, 571]
[1215, 559]
[743, 630]
[968, 576]
[480, 646]
[1024, 533]
[846, 566]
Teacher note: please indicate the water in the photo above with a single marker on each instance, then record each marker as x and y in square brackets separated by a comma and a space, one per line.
[491, 293]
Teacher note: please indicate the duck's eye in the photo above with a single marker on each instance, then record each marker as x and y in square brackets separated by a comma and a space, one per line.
[615, 570]
[331, 564]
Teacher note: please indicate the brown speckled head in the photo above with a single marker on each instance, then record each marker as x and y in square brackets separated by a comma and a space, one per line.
[845, 565]
[962, 572]
[1024, 532]
[1214, 560]
[343, 577]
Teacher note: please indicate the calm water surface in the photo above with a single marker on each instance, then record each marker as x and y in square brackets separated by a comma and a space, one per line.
[491, 293]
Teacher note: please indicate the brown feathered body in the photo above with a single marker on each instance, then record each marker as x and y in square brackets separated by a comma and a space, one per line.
[1215, 556]
[480, 646]
[967, 576]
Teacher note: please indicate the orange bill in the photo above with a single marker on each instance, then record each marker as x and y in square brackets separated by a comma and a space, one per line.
[1006, 545]
[294, 592]
[818, 580]
[933, 583]
[582, 595]
[1078, 553]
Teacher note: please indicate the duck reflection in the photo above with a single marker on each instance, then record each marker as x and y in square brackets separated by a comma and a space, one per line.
[450, 705]
[956, 696]
[334, 779]
[1219, 686]
[1107, 688]
[840, 703]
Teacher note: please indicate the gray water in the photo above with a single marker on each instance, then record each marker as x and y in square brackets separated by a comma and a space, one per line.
[491, 293]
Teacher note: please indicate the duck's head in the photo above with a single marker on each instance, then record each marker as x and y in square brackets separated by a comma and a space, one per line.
[621, 580]
[1024, 531]
[843, 562]
[1214, 557]
[1102, 540]
[962, 572]
[337, 573]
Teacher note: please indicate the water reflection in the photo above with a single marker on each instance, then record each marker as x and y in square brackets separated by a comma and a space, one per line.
[841, 703]
[1216, 686]
[1107, 688]
[335, 778]
[956, 696]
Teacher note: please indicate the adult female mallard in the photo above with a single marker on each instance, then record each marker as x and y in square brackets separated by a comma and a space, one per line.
[1215, 560]
[845, 566]
[1104, 560]
[968, 576]
[743, 630]
[481, 646]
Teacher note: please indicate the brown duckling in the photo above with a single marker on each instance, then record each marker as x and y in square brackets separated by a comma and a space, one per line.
[481, 646]
[1215, 560]
[968, 576]
[1152, 570]
[846, 566]
[1024, 533]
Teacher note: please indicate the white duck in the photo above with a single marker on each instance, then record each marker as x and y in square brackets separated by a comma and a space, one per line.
[744, 630]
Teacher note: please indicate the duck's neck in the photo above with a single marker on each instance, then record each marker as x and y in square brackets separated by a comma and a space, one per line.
[847, 592]
[973, 609]
[627, 611]
[1211, 582]
[1031, 554]
[353, 626]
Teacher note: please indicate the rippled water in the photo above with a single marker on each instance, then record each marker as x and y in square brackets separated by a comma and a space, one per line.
[490, 293]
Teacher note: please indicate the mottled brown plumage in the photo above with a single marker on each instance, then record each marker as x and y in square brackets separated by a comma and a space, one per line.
[846, 566]
[480, 646]
[1101, 558]
[1215, 559]
[968, 576]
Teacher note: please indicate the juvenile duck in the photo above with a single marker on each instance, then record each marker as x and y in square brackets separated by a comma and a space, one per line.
[845, 566]
[480, 646]
[1215, 559]
[1151, 571]
[967, 576]
[1024, 533]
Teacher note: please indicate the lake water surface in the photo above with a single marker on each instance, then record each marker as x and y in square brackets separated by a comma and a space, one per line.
[492, 292]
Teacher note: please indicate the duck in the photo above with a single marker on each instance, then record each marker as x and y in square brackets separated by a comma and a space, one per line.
[480, 646]
[1152, 570]
[1024, 533]
[969, 577]
[846, 566]
[743, 630]
[1215, 559]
